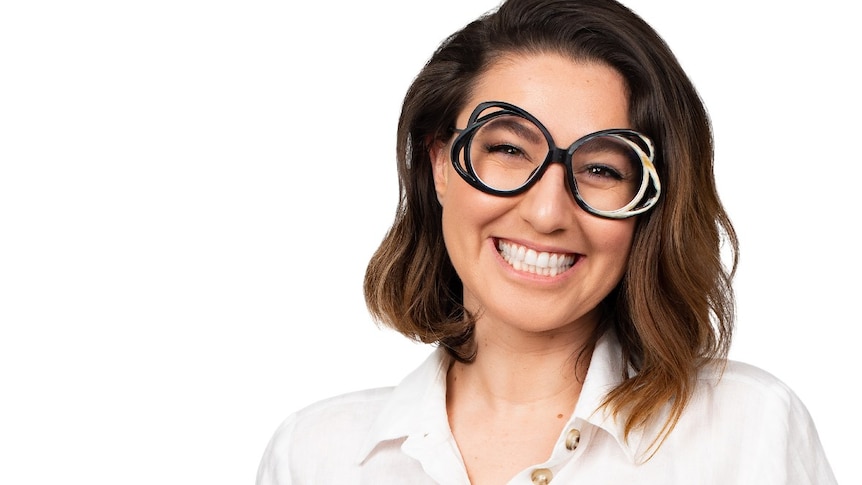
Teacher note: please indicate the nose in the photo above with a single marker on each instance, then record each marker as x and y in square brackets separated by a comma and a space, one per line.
[549, 205]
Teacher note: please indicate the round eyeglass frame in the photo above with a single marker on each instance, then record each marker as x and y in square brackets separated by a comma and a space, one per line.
[644, 200]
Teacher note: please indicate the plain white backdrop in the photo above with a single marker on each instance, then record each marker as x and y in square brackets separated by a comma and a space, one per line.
[190, 191]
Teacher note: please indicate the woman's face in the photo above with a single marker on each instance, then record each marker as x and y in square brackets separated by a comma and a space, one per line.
[571, 99]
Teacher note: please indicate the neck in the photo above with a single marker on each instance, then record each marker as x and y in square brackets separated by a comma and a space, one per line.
[515, 369]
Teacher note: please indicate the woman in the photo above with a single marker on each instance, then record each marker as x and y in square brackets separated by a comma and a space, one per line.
[558, 237]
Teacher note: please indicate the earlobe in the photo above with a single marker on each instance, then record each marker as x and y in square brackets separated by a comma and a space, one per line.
[439, 168]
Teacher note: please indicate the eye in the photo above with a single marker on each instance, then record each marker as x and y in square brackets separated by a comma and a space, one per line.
[603, 171]
[504, 149]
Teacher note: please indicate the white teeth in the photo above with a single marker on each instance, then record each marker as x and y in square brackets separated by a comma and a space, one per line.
[542, 260]
[531, 261]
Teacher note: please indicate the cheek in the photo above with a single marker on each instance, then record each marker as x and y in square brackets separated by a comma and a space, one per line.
[466, 208]
[470, 217]
[613, 239]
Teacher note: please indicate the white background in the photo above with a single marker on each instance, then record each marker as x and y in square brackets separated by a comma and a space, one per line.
[190, 191]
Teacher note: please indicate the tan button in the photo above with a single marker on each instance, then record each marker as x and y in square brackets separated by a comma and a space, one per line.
[573, 437]
[541, 476]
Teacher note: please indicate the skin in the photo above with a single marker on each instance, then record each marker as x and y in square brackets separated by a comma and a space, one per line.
[506, 409]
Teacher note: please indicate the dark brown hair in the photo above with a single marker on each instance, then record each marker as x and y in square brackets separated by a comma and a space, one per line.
[673, 309]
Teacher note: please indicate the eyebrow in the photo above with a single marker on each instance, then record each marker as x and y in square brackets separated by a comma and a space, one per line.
[517, 126]
[603, 143]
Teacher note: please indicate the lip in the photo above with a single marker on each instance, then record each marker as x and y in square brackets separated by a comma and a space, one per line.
[539, 248]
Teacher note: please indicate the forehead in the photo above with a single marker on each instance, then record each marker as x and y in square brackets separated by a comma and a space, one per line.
[571, 98]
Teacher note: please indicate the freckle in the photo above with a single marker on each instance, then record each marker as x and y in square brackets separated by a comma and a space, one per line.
[559, 416]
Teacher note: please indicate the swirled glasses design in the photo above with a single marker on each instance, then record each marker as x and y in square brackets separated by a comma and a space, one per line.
[504, 150]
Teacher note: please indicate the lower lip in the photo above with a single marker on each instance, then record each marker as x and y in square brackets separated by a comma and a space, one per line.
[534, 276]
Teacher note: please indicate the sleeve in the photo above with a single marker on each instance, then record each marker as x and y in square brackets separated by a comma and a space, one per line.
[806, 461]
[274, 468]
[771, 438]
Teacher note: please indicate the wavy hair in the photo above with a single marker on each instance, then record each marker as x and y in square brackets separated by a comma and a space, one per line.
[673, 309]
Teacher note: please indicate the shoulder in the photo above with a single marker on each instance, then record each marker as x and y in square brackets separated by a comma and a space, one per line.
[754, 404]
[733, 376]
[745, 389]
[327, 433]
[326, 441]
[347, 416]
[738, 380]
[351, 403]
[758, 415]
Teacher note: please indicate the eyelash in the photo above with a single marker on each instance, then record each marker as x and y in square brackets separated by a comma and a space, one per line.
[504, 148]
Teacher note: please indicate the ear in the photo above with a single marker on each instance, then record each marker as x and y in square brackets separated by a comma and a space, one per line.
[439, 168]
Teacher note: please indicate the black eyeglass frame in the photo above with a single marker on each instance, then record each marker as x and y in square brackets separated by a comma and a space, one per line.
[648, 193]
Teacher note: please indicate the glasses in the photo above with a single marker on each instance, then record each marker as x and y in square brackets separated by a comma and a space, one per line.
[504, 150]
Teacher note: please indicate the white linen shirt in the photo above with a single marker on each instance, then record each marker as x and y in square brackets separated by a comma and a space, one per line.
[741, 427]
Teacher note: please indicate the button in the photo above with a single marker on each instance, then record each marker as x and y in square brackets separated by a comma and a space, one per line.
[541, 476]
[573, 437]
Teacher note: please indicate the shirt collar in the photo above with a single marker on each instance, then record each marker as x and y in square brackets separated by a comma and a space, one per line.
[607, 371]
[417, 406]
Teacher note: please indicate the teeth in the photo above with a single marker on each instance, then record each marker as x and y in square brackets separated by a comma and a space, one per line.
[542, 260]
[531, 261]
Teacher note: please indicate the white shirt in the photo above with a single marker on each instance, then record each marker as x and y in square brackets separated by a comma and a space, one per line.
[745, 427]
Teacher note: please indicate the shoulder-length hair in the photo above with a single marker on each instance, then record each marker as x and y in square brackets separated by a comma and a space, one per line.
[673, 310]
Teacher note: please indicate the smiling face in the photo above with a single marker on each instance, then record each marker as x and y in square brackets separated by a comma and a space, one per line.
[537, 262]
